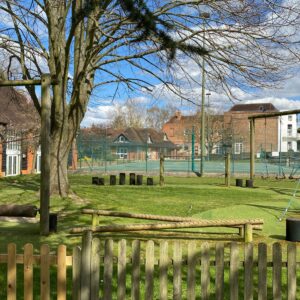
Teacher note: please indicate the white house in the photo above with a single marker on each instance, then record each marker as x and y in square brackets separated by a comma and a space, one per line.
[287, 133]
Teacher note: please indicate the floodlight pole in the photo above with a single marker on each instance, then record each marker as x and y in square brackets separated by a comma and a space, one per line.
[203, 16]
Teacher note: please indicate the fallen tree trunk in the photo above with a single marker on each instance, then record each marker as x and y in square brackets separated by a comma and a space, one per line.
[197, 224]
[15, 210]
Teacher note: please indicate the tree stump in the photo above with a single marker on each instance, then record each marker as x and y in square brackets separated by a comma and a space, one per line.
[52, 222]
[249, 183]
[95, 180]
[293, 229]
[122, 178]
[149, 181]
[112, 179]
[139, 179]
[101, 181]
[132, 178]
[239, 182]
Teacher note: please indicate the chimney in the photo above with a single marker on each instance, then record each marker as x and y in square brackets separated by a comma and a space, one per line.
[178, 114]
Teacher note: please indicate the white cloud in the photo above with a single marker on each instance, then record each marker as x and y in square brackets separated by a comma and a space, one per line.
[97, 115]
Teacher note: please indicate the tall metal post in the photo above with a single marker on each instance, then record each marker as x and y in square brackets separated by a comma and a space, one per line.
[252, 132]
[193, 149]
[45, 151]
[204, 16]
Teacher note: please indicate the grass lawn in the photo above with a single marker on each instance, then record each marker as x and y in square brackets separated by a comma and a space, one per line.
[195, 197]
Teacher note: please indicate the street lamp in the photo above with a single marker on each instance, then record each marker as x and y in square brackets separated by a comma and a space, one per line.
[208, 132]
[204, 16]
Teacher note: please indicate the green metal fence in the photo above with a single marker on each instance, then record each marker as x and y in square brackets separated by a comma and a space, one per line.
[103, 155]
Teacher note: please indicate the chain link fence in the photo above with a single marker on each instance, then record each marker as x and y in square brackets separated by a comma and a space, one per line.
[104, 155]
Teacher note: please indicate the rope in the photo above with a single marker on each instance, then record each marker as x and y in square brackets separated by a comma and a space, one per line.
[290, 202]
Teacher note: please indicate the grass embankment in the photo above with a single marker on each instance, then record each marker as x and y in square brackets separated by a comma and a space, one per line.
[194, 197]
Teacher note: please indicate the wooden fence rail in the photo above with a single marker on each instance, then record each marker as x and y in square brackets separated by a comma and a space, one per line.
[107, 269]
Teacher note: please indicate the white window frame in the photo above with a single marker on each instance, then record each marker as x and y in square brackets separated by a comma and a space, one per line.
[238, 148]
[290, 118]
[122, 152]
[290, 130]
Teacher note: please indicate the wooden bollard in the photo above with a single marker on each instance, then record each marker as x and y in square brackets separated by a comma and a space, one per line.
[149, 181]
[239, 182]
[132, 178]
[248, 232]
[122, 178]
[249, 183]
[139, 179]
[227, 170]
[162, 170]
[95, 180]
[112, 179]
[101, 181]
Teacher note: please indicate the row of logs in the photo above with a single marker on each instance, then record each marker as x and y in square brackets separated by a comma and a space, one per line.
[239, 182]
[133, 180]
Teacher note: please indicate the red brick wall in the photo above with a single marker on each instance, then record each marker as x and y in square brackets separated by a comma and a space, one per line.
[266, 131]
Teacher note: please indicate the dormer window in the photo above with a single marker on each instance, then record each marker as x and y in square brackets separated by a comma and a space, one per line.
[121, 139]
[149, 141]
[165, 137]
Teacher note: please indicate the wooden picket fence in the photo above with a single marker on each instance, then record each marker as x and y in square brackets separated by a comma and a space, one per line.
[171, 270]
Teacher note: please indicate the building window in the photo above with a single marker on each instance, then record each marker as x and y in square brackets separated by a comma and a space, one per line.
[289, 146]
[122, 152]
[290, 118]
[290, 130]
[122, 139]
[219, 149]
[165, 137]
[238, 148]
[149, 141]
[13, 143]
[185, 147]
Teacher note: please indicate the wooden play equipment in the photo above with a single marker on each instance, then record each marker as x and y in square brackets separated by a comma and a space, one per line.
[245, 226]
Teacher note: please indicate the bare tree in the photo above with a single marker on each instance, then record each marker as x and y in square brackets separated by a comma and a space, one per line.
[89, 44]
[158, 116]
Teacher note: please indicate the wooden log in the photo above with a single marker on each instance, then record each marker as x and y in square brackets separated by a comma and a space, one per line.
[112, 179]
[132, 178]
[101, 181]
[138, 227]
[110, 213]
[248, 233]
[161, 170]
[149, 181]
[139, 179]
[95, 180]
[15, 210]
[122, 178]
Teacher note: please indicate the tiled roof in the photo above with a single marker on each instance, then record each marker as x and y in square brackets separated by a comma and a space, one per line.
[254, 107]
[16, 110]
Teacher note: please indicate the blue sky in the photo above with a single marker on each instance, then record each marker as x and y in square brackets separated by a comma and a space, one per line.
[284, 96]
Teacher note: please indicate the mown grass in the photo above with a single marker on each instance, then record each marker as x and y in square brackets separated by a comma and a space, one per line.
[195, 197]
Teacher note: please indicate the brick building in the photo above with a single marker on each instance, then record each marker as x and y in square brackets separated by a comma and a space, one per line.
[272, 134]
[19, 129]
[128, 144]
[179, 130]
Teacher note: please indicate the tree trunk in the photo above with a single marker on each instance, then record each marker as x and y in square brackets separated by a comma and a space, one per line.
[60, 149]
